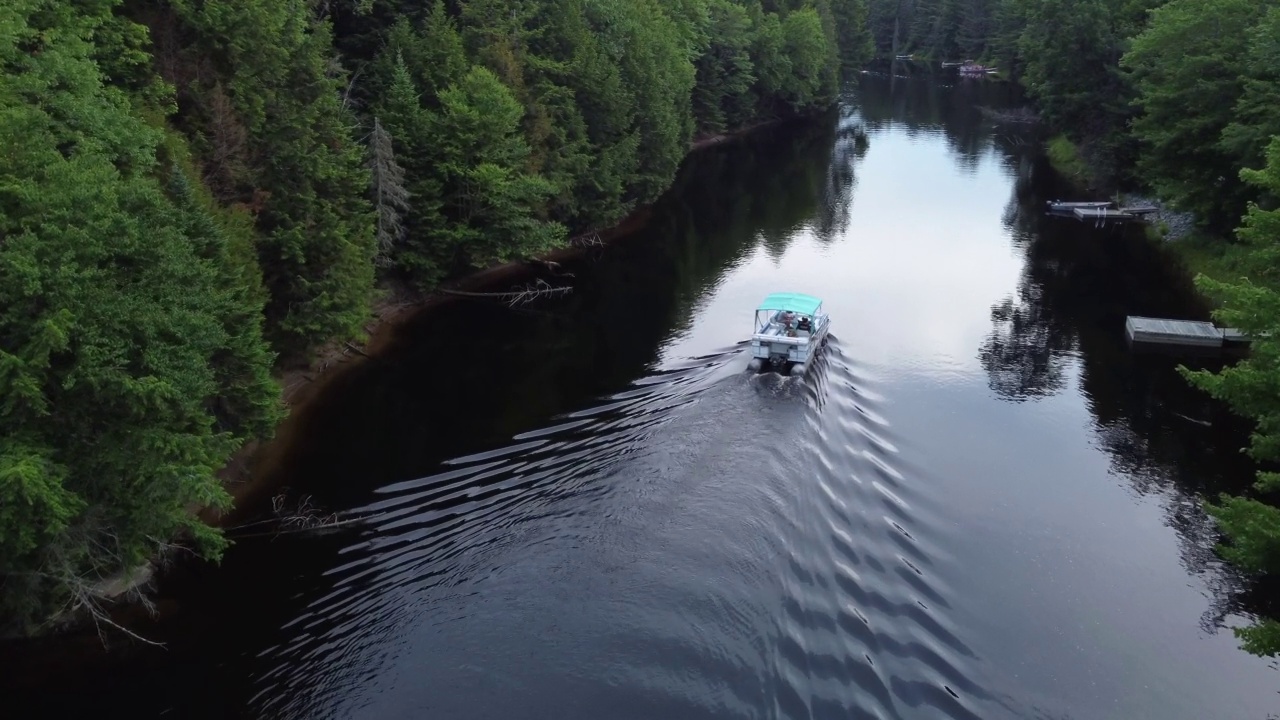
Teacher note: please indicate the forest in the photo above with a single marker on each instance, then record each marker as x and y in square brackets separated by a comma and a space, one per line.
[1178, 98]
[194, 193]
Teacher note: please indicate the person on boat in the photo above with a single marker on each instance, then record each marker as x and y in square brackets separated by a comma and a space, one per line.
[786, 318]
[804, 324]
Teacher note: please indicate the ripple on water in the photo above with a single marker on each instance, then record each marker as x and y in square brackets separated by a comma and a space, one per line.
[705, 543]
[878, 615]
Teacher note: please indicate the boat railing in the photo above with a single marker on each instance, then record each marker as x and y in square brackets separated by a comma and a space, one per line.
[772, 329]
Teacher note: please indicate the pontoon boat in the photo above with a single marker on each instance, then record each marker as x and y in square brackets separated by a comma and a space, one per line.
[789, 330]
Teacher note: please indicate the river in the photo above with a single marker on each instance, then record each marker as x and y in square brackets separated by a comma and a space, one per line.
[979, 504]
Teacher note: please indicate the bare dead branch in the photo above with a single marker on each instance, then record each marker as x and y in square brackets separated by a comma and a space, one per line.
[346, 94]
[588, 240]
[519, 296]
[301, 516]
[100, 617]
[391, 198]
[88, 590]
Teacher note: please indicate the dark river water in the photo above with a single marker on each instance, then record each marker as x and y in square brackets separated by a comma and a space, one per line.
[979, 504]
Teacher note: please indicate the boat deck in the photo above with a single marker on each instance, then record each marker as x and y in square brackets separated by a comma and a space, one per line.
[780, 329]
[777, 331]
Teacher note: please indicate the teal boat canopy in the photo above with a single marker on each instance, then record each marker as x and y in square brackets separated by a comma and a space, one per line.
[795, 302]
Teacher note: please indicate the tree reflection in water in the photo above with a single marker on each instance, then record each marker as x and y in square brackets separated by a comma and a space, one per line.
[1168, 441]
[851, 145]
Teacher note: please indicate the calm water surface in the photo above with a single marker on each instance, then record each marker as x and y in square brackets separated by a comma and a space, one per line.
[980, 503]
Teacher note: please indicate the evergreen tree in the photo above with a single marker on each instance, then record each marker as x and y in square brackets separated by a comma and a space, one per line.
[307, 179]
[1255, 120]
[131, 359]
[806, 47]
[1070, 55]
[655, 65]
[1189, 67]
[488, 192]
[722, 95]
[1252, 387]
[853, 34]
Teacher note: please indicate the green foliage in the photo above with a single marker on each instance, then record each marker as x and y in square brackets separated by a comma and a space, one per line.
[1206, 254]
[35, 506]
[608, 109]
[283, 122]
[1254, 529]
[936, 29]
[808, 50]
[1070, 54]
[487, 194]
[722, 96]
[132, 365]
[1189, 68]
[1255, 120]
[1252, 386]
[655, 64]
[1008, 18]
[1065, 158]
[853, 35]
[1262, 638]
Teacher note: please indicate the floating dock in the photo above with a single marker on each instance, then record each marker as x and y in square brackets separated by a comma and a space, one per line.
[1185, 333]
[1069, 205]
[1197, 333]
[1087, 213]
[1104, 214]
[1101, 210]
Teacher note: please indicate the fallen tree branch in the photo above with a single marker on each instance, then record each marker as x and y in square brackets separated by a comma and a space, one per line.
[88, 590]
[302, 517]
[99, 616]
[520, 296]
[588, 240]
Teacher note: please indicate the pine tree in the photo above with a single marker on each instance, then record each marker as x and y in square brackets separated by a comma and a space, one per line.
[131, 360]
[1252, 387]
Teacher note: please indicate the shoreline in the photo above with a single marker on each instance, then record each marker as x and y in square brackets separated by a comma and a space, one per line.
[247, 473]
[244, 472]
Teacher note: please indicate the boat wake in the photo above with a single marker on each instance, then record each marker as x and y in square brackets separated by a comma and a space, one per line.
[705, 543]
